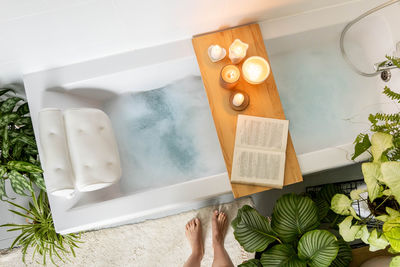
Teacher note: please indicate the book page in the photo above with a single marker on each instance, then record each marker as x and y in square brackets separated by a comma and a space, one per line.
[261, 133]
[258, 168]
[260, 151]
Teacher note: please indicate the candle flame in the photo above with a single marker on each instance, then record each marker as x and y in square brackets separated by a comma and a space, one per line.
[231, 74]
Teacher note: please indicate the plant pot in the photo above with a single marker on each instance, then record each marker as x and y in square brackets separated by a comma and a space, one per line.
[381, 261]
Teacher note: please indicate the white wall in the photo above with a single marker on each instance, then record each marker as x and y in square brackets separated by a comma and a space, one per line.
[42, 34]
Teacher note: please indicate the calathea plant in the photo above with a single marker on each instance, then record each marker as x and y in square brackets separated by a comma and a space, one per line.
[19, 161]
[290, 237]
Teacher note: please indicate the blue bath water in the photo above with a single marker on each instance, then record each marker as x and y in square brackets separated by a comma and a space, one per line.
[326, 103]
[165, 136]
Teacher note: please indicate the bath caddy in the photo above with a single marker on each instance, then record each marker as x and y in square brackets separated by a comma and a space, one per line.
[264, 99]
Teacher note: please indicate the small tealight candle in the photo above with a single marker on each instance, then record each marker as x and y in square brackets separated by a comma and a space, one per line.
[238, 99]
[216, 53]
[230, 75]
[255, 70]
[237, 51]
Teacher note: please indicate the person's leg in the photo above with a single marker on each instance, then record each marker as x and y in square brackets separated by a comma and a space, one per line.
[194, 235]
[219, 227]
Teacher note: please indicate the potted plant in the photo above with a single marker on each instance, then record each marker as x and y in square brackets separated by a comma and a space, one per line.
[291, 237]
[382, 178]
[20, 165]
[39, 232]
[19, 161]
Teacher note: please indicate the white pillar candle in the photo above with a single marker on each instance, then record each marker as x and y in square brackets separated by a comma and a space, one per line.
[255, 70]
[237, 51]
[238, 99]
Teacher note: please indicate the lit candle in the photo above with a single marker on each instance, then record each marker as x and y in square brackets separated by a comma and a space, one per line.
[255, 70]
[237, 51]
[238, 99]
[230, 75]
[216, 53]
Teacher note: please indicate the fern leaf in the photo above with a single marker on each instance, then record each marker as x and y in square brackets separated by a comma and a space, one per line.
[392, 95]
[394, 154]
[395, 117]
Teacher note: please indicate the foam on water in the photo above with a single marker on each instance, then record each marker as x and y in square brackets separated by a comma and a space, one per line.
[326, 102]
[165, 136]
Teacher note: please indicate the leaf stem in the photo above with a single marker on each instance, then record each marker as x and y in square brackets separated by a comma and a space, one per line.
[382, 202]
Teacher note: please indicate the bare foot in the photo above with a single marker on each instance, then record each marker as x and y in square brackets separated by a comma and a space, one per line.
[219, 227]
[194, 235]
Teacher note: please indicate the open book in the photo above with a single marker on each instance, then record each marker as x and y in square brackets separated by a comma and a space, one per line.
[260, 151]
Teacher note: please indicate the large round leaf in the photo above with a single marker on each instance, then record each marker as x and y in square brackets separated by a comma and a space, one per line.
[282, 255]
[318, 247]
[251, 263]
[294, 215]
[342, 205]
[372, 174]
[344, 256]
[391, 229]
[252, 230]
[391, 177]
[380, 142]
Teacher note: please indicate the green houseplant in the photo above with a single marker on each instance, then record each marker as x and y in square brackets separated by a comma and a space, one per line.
[39, 232]
[382, 177]
[19, 161]
[20, 165]
[290, 237]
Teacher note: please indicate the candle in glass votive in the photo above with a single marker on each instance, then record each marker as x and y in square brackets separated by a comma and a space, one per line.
[237, 51]
[255, 70]
[230, 75]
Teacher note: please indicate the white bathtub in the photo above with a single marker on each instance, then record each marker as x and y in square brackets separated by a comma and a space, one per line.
[297, 45]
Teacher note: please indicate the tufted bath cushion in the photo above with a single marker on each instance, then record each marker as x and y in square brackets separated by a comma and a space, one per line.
[92, 147]
[54, 153]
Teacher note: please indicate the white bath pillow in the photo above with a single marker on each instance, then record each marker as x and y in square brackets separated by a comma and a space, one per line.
[93, 148]
[54, 153]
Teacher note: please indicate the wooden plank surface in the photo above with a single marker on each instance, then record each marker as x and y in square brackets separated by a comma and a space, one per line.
[264, 99]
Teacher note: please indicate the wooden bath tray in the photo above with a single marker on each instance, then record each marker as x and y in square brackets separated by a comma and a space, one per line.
[264, 99]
